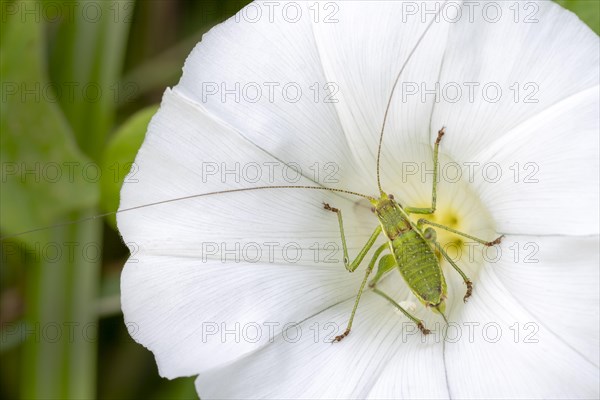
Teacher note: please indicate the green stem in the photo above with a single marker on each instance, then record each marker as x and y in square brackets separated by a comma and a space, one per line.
[89, 56]
[62, 294]
[61, 323]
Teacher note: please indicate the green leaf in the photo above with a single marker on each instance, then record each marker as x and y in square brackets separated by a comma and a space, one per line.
[119, 155]
[87, 55]
[587, 10]
[44, 174]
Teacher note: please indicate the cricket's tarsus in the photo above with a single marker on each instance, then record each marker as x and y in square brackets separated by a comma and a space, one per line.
[422, 328]
[495, 241]
[329, 208]
[469, 290]
[440, 134]
[340, 337]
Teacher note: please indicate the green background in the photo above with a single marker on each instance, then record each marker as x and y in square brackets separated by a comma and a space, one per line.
[62, 332]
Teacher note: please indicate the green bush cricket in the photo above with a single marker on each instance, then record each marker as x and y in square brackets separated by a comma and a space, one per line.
[411, 251]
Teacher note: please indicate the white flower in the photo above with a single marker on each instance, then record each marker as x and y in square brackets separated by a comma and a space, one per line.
[531, 328]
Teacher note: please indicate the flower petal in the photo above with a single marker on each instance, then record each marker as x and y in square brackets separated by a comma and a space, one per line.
[416, 370]
[260, 71]
[556, 279]
[259, 252]
[527, 108]
[185, 138]
[514, 48]
[365, 62]
[542, 177]
[498, 349]
[195, 315]
[311, 367]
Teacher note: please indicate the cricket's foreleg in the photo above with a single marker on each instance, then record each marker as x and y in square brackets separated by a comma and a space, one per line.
[414, 319]
[431, 210]
[423, 221]
[362, 288]
[351, 266]
[462, 274]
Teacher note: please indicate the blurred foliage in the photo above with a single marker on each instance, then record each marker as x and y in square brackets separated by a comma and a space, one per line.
[587, 10]
[36, 140]
[130, 53]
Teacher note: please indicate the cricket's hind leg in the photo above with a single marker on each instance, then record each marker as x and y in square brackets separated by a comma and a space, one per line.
[360, 291]
[466, 279]
[430, 235]
[414, 319]
[386, 264]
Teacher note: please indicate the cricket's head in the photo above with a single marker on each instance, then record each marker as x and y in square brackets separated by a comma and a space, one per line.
[384, 202]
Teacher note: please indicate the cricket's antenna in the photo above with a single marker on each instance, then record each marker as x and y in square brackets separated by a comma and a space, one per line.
[389, 103]
[186, 198]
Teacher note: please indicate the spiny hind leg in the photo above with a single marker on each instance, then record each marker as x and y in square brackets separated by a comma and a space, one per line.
[386, 264]
[360, 291]
[414, 319]
[351, 266]
[430, 235]
[431, 210]
[494, 242]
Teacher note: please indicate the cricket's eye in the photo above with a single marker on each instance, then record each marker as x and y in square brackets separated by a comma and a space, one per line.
[391, 196]
[373, 210]
[430, 234]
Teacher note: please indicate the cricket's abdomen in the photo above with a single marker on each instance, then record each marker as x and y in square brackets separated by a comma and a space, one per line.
[419, 267]
[416, 261]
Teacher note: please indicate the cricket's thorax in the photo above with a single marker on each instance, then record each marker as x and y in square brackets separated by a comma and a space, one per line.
[416, 260]
[392, 220]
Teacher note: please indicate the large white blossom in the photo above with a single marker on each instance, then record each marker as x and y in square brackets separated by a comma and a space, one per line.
[262, 329]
